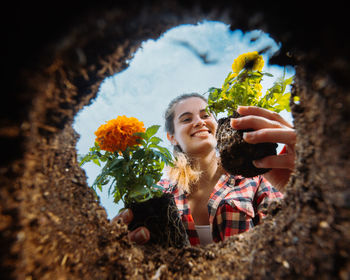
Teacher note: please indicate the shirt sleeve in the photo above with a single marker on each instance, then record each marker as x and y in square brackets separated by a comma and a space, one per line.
[265, 194]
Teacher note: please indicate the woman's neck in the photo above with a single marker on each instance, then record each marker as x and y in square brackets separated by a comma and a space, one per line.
[209, 167]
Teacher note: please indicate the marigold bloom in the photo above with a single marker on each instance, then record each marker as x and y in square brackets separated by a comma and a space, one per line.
[246, 59]
[118, 134]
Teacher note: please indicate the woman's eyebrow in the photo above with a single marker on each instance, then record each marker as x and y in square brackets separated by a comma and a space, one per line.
[189, 113]
[183, 114]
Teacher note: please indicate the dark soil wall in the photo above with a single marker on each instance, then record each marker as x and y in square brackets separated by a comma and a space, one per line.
[55, 57]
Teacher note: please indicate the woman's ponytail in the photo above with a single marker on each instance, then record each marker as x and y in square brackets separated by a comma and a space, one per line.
[182, 173]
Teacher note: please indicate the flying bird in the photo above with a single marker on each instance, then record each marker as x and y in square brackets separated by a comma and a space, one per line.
[202, 56]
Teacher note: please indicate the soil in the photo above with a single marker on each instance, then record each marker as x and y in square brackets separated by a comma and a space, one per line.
[161, 217]
[51, 226]
[236, 155]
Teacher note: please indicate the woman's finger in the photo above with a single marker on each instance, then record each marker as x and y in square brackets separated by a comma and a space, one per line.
[254, 122]
[257, 111]
[271, 135]
[126, 216]
[140, 235]
[284, 161]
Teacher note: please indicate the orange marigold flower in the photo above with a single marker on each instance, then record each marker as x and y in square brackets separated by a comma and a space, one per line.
[118, 134]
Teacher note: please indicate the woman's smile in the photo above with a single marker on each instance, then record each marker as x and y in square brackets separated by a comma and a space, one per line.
[202, 133]
[194, 127]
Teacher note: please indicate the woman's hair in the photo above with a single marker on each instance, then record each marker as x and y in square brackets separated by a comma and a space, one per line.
[183, 173]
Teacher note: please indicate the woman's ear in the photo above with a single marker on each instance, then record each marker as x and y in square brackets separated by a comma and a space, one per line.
[171, 138]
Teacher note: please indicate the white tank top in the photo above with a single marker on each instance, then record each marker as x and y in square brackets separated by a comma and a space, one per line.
[204, 234]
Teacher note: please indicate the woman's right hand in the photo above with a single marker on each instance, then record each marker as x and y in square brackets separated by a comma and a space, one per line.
[270, 127]
[140, 235]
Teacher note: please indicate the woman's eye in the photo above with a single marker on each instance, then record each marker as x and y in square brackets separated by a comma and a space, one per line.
[186, 120]
[206, 116]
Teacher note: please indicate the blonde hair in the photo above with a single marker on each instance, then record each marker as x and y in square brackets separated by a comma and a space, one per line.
[183, 173]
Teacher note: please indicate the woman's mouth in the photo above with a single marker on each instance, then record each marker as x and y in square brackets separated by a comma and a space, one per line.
[200, 133]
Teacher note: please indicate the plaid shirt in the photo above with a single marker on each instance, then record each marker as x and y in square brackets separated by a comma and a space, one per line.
[235, 205]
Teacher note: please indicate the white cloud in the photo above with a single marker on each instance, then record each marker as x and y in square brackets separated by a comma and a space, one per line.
[161, 70]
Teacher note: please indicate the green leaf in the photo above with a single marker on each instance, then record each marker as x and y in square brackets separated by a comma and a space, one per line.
[139, 154]
[214, 94]
[212, 89]
[283, 102]
[91, 156]
[96, 161]
[99, 186]
[83, 159]
[155, 140]
[103, 159]
[117, 196]
[267, 74]
[115, 162]
[289, 80]
[149, 180]
[140, 134]
[139, 190]
[150, 131]
[110, 191]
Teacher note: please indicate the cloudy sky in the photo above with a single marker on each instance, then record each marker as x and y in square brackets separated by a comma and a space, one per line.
[163, 69]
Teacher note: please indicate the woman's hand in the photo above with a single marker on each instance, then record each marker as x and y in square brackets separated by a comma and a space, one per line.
[140, 235]
[269, 126]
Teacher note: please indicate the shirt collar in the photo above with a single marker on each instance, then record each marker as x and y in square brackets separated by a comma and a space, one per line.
[227, 191]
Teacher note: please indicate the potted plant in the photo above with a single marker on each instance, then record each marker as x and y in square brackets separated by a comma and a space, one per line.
[133, 163]
[243, 87]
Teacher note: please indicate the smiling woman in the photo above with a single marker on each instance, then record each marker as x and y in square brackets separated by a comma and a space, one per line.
[188, 58]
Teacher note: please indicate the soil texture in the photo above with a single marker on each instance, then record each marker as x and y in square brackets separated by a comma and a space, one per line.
[237, 155]
[57, 55]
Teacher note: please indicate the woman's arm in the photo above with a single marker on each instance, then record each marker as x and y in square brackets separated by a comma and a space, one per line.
[269, 126]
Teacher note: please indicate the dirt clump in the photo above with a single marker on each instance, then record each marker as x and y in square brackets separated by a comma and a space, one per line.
[161, 217]
[236, 155]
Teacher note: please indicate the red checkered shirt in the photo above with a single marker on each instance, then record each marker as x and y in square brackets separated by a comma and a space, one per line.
[236, 205]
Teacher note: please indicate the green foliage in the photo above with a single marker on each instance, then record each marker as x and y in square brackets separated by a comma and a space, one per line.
[132, 174]
[245, 90]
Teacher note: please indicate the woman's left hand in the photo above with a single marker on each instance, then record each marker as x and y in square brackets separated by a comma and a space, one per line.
[269, 126]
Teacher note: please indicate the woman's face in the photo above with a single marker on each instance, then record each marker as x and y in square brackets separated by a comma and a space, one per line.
[194, 127]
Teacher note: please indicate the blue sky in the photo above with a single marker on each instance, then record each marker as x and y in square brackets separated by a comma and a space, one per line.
[161, 70]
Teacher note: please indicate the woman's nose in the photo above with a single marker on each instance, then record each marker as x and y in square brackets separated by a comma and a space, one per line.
[199, 122]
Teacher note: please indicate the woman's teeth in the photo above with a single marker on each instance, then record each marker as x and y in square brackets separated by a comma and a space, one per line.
[201, 133]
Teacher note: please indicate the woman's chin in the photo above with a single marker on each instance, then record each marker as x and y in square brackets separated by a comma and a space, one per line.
[202, 149]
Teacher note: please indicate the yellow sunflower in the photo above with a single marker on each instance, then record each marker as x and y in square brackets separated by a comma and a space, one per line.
[118, 134]
[253, 59]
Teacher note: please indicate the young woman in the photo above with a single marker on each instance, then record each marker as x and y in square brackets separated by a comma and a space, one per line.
[213, 204]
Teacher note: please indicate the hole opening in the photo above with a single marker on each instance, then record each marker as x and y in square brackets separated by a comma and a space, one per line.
[186, 58]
